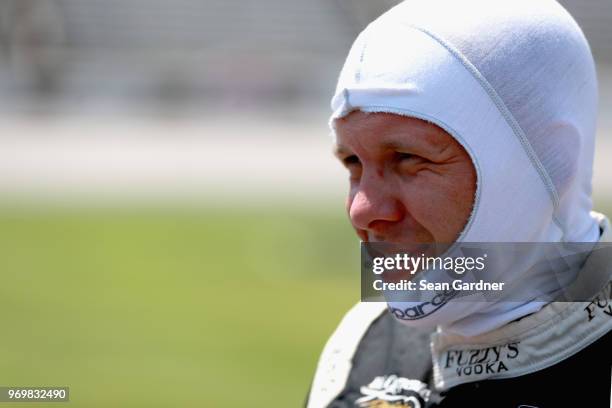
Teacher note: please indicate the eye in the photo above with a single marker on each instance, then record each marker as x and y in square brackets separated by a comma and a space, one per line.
[351, 161]
[404, 156]
[408, 163]
[353, 165]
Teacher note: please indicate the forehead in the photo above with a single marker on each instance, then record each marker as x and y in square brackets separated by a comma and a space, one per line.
[381, 130]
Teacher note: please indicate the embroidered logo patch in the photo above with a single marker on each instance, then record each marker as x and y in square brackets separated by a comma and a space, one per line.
[423, 309]
[394, 391]
[487, 360]
[601, 303]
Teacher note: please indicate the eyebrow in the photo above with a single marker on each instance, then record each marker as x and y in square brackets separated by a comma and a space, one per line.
[400, 145]
[342, 152]
[416, 145]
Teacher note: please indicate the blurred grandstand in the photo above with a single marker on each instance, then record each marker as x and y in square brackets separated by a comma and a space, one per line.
[180, 56]
[139, 54]
[199, 60]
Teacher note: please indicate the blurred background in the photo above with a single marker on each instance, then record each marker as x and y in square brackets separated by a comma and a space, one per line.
[172, 230]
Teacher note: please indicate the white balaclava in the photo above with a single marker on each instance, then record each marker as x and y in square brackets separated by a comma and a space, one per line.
[514, 82]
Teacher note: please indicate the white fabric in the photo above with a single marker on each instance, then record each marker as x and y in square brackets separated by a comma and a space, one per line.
[514, 83]
[335, 363]
[538, 341]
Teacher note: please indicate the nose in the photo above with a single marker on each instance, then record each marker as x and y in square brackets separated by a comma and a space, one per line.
[373, 208]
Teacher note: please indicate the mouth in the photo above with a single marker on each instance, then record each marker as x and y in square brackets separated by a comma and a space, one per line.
[385, 244]
[371, 237]
[379, 247]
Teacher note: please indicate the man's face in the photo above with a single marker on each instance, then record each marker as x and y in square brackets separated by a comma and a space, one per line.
[410, 181]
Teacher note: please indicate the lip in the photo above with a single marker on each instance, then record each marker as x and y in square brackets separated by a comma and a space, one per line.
[402, 245]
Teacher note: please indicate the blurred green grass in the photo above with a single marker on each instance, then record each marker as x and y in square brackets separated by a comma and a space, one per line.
[169, 308]
[184, 307]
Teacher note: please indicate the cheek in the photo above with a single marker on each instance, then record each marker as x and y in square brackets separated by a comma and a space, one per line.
[421, 198]
[442, 205]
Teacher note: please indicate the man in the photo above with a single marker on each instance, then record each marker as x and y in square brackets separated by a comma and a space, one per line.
[472, 121]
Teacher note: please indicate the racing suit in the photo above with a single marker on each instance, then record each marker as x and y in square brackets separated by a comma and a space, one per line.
[558, 356]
